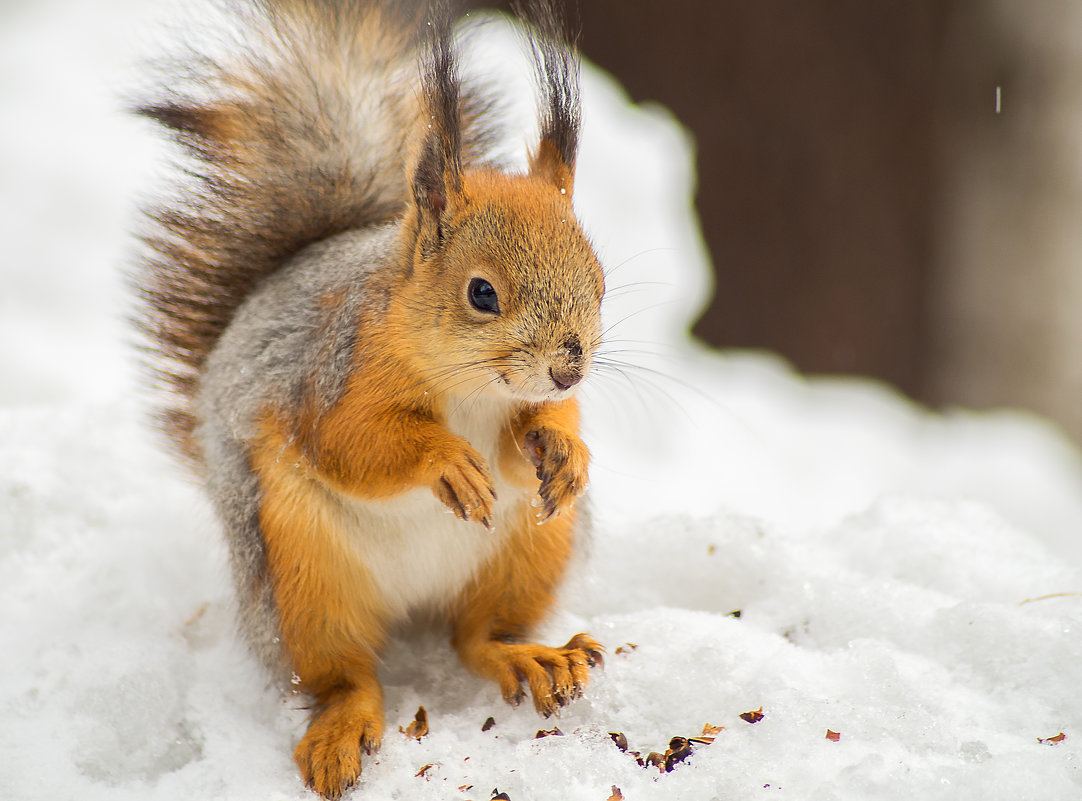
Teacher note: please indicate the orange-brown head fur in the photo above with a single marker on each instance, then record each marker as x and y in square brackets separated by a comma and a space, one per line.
[518, 234]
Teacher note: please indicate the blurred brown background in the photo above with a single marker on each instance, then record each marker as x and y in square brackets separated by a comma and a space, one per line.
[867, 208]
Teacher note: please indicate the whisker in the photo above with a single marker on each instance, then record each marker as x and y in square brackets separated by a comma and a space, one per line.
[609, 271]
[638, 386]
[623, 370]
[457, 378]
[475, 394]
[717, 405]
[634, 314]
[634, 286]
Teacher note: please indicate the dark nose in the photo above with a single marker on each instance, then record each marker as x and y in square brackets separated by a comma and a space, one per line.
[565, 377]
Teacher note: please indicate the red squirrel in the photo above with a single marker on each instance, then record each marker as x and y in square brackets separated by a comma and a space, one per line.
[372, 340]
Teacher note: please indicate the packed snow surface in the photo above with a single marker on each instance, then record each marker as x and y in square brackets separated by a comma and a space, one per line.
[895, 591]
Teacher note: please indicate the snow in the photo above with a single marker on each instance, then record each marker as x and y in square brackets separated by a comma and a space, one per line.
[903, 578]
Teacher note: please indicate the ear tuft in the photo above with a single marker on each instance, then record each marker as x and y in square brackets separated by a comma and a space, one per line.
[437, 174]
[556, 64]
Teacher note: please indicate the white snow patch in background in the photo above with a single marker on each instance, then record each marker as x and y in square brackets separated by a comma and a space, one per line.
[881, 556]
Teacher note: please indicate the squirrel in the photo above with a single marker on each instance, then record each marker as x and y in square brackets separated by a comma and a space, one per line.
[371, 339]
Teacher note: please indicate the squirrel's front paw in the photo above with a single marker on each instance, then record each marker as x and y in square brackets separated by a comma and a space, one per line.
[465, 487]
[561, 461]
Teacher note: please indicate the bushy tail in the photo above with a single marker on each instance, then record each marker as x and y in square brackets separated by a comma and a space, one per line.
[299, 133]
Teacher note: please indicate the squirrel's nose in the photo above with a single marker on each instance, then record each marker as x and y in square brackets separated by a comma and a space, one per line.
[565, 377]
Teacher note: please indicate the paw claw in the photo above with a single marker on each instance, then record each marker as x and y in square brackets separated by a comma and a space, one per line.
[465, 487]
[329, 754]
[554, 676]
[561, 461]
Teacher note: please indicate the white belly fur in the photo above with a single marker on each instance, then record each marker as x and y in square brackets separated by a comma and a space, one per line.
[416, 551]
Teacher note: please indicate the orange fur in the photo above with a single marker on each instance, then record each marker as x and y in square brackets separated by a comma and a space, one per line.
[331, 618]
[546, 163]
[383, 437]
[329, 614]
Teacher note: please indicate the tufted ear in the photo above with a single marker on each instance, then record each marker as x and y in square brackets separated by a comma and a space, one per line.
[436, 180]
[437, 191]
[556, 63]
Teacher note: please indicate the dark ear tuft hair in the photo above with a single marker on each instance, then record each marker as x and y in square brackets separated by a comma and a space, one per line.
[437, 175]
[441, 150]
[557, 65]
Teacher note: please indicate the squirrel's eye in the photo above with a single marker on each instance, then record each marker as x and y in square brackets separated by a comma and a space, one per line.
[483, 296]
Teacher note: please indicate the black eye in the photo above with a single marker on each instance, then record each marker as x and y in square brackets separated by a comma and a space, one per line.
[483, 296]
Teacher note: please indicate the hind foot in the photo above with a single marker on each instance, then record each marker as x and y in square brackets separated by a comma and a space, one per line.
[553, 676]
[329, 754]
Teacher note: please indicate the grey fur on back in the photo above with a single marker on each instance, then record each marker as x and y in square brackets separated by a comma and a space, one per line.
[281, 339]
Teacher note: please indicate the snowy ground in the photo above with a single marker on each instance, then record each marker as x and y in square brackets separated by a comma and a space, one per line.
[903, 579]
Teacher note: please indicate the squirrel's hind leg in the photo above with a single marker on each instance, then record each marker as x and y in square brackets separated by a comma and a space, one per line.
[331, 619]
[494, 615]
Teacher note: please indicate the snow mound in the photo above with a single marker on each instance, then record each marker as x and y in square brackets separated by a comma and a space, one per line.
[917, 629]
